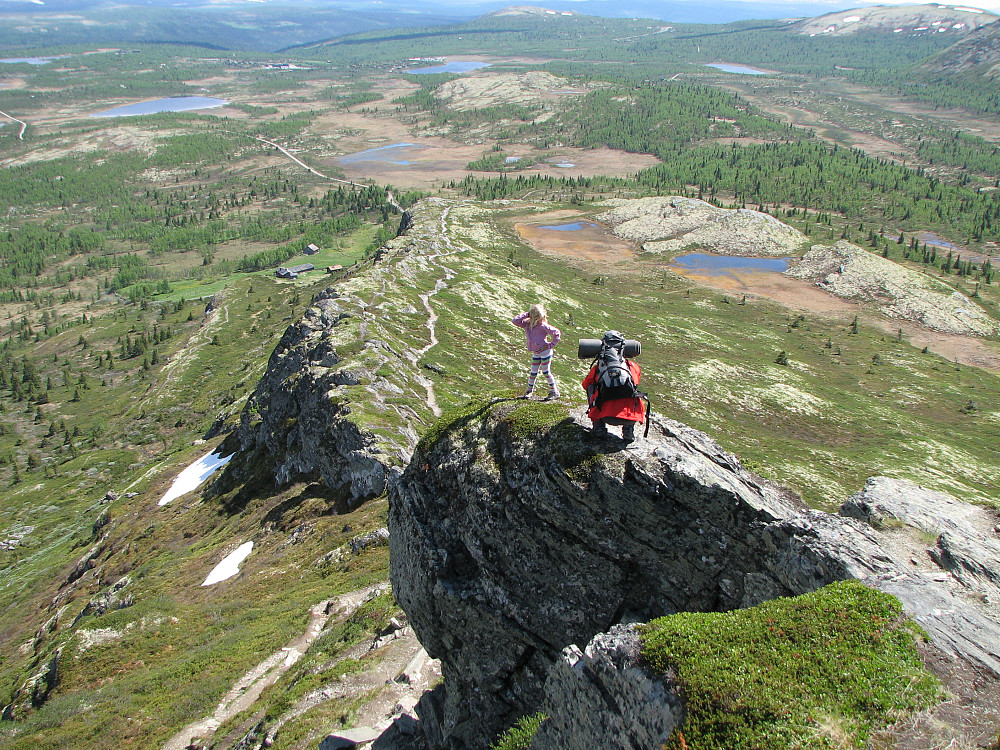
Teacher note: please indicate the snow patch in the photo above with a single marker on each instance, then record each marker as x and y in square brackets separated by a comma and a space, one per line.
[193, 476]
[230, 565]
[852, 19]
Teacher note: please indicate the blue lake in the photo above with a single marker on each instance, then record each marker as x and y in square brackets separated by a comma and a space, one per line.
[455, 66]
[31, 60]
[397, 153]
[171, 104]
[738, 69]
[725, 265]
[572, 227]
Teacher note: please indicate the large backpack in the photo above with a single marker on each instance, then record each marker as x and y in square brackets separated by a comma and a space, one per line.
[614, 378]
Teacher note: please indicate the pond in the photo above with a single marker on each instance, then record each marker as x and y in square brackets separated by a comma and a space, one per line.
[31, 60]
[929, 238]
[455, 66]
[170, 104]
[563, 164]
[397, 153]
[727, 265]
[575, 226]
[742, 69]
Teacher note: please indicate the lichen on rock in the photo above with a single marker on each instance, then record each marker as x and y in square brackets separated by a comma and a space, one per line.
[851, 272]
[673, 223]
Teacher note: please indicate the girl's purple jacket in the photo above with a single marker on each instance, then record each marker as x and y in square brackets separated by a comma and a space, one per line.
[536, 337]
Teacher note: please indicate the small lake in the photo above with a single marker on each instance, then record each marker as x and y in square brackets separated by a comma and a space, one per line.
[575, 226]
[170, 104]
[726, 265]
[31, 60]
[455, 66]
[563, 164]
[397, 153]
[742, 69]
[931, 239]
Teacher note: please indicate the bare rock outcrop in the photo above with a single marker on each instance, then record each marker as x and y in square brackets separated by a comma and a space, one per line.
[604, 696]
[851, 272]
[515, 536]
[472, 92]
[295, 425]
[673, 223]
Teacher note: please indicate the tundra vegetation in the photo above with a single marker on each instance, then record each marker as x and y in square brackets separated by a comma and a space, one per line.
[138, 304]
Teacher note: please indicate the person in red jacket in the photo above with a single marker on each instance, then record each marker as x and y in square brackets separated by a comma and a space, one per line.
[617, 411]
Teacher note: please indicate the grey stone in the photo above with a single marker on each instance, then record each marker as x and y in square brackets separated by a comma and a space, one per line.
[296, 424]
[506, 550]
[604, 697]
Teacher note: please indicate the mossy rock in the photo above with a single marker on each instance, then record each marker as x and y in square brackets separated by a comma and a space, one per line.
[821, 670]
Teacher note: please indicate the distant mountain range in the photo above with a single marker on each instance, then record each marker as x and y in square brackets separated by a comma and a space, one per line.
[679, 11]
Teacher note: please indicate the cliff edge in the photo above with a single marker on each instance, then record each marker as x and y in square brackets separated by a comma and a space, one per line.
[516, 535]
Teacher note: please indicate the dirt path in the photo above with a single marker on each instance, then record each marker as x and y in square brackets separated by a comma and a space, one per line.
[249, 687]
[24, 125]
[305, 166]
[398, 678]
[432, 317]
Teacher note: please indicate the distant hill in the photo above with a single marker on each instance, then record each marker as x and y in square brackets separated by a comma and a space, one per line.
[898, 19]
[979, 52]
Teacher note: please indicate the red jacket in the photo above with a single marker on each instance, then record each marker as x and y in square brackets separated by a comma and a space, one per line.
[632, 409]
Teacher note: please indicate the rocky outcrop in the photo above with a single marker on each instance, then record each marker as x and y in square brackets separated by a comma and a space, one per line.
[35, 691]
[851, 272]
[295, 425]
[490, 90]
[605, 697]
[674, 223]
[515, 536]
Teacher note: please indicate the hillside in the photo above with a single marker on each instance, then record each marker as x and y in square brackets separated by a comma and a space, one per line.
[978, 54]
[905, 20]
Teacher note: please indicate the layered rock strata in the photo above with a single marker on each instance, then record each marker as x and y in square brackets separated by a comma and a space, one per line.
[512, 541]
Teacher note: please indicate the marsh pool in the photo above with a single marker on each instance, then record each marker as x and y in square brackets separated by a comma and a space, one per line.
[170, 104]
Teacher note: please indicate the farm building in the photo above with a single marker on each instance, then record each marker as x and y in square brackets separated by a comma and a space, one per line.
[310, 249]
[293, 271]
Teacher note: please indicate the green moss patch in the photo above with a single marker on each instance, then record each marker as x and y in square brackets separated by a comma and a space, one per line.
[519, 736]
[821, 670]
[533, 417]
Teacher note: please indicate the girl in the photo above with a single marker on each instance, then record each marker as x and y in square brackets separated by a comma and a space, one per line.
[541, 340]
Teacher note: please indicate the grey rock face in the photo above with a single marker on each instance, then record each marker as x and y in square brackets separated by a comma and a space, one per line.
[294, 426]
[506, 549]
[604, 697]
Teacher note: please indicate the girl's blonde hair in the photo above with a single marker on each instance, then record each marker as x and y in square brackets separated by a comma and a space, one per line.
[537, 315]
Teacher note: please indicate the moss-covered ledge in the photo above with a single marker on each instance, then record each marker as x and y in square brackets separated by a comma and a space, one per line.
[821, 670]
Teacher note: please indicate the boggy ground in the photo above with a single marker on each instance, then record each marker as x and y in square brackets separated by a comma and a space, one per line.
[596, 250]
